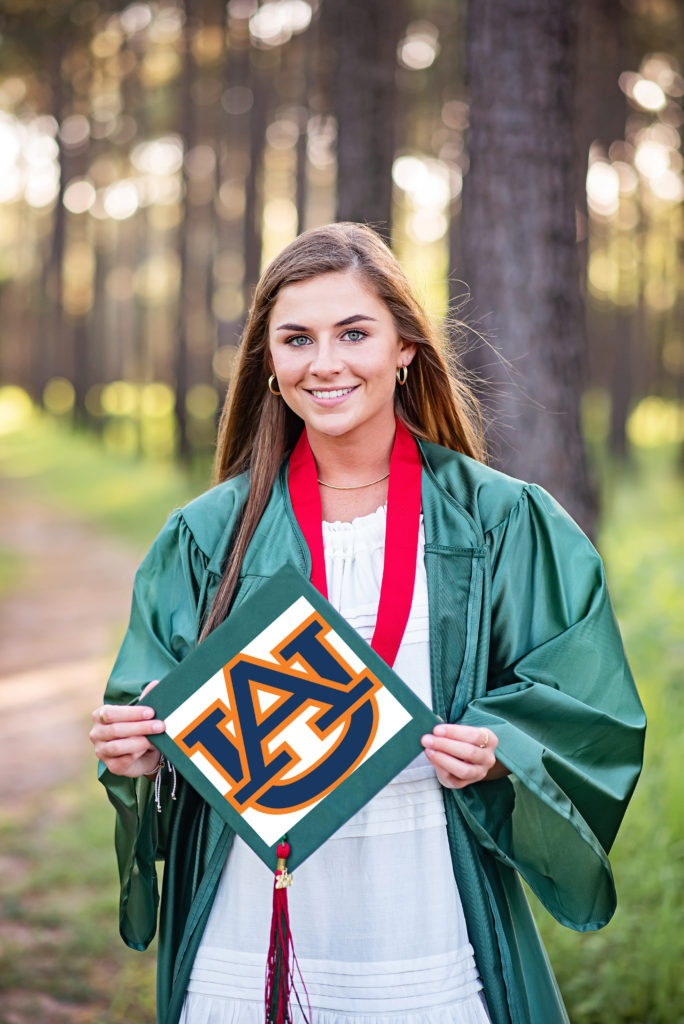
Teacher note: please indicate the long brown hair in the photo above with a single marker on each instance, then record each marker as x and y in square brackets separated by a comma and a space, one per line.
[257, 428]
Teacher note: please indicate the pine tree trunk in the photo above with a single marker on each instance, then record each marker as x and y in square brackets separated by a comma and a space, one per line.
[260, 68]
[363, 39]
[518, 232]
[180, 355]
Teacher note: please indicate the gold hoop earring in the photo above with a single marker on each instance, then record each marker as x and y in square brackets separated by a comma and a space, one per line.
[273, 390]
[402, 374]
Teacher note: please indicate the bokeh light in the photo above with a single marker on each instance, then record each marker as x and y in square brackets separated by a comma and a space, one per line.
[135, 18]
[119, 398]
[156, 281]
[162, 156]
[426, 180]
[648, 95]
[656, 421]
[59, 396]
[227, 303]
[419, 47]
[603, 188]
[274, 22]
[121, 200]
[652, 159]
[668, 186]
[75, 131]
[10, 141]
[201, 401]
[224, 362]
[16, 408]
[157, 400]
[79, 195]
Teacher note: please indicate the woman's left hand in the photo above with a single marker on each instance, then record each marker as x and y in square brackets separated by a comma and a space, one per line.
[462, 754]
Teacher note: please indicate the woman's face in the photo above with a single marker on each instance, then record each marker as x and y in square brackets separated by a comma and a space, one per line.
[335, 351]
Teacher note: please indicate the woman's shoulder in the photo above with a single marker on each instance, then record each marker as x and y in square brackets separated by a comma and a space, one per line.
[505, 510]
[214, 512]
[487, 495]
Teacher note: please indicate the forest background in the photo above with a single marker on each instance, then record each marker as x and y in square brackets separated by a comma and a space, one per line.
[525, 159]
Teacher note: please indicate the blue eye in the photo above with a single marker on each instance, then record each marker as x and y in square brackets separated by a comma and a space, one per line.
[355, 335]
[298, 340]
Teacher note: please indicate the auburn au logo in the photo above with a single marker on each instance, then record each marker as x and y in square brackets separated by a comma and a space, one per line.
[291, 726]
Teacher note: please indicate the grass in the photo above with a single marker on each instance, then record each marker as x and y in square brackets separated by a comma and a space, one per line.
[10, 570]
[60, 959]
[59, 909]
[129, 495]
[633, 966]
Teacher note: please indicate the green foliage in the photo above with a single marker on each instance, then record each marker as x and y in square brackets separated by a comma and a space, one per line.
[60, 957]
[631, 971]
[127, 494]
[10, 570]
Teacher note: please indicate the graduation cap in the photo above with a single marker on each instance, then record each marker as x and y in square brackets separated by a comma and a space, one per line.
[287, 722]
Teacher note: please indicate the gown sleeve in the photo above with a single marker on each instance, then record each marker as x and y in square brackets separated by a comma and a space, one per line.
[562, 701]
[163, 628]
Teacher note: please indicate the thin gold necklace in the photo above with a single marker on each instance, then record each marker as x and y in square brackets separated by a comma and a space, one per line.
[353, 487]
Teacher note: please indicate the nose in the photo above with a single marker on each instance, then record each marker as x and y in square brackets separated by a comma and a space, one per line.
[326, 360]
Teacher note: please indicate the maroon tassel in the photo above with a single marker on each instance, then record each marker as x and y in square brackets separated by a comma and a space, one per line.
[281, 958]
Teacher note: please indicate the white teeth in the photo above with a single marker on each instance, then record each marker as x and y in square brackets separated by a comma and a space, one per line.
[332, 394]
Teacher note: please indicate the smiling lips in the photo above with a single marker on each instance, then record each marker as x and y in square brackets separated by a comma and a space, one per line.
[331, 392]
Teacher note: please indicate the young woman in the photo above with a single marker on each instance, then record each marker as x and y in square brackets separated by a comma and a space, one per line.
[413, 913]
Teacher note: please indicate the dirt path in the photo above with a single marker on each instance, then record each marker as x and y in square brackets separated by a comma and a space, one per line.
[59, 628]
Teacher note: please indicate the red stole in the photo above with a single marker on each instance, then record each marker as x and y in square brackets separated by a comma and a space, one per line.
[401, 536]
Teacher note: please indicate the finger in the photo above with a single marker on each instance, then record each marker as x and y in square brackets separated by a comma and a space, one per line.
[463, 751]
[116, 730]
[133, 765]
[450, 781]
[100, 735]
[108, 713]
[461, 771]
[125, 747]
[488, 739]
[478, 736]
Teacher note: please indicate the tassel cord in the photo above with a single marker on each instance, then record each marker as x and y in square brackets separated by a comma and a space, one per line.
[163, 763]
[281, 964]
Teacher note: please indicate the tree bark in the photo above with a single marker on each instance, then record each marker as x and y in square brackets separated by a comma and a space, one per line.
[363, 39]
[181, 355]
[600, 105]
[519, 247]
[260, 65]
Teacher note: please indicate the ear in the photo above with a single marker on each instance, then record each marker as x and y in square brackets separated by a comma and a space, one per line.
[407, 350]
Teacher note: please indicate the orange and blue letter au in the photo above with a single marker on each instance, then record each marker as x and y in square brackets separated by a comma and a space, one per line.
[293, 728]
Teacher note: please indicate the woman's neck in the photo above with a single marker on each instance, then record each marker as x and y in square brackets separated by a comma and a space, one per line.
[346, 463]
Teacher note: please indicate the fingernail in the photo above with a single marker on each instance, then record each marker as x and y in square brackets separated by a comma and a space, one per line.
[148, 712]
[439, 730]
[427, 741]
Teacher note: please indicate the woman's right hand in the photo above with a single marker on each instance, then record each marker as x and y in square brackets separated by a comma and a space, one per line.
[120, 737]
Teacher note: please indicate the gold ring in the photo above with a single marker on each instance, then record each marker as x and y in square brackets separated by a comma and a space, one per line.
[102, 716]
[486, 740]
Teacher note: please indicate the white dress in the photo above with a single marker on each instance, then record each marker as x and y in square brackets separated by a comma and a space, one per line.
[376, 917]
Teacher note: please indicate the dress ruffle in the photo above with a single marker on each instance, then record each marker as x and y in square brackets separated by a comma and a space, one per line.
[440, 989]
[204, 1010]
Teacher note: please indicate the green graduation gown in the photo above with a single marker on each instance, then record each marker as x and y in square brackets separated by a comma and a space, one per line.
[523, 642]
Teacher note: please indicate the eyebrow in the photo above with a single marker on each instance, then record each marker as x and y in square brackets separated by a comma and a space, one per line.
[354, 318]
